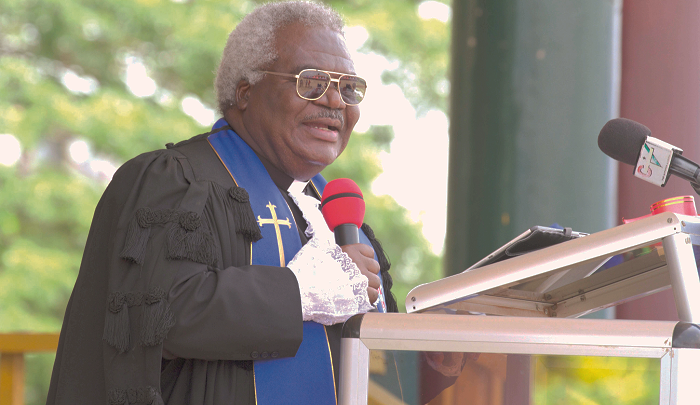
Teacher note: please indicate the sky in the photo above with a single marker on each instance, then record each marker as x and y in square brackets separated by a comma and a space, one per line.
[410, 164]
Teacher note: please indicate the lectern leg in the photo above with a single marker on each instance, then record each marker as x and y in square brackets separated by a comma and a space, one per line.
[685, 365]
[683, 272]
[354, 372]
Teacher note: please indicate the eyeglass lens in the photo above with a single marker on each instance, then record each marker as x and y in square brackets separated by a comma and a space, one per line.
[312, 84]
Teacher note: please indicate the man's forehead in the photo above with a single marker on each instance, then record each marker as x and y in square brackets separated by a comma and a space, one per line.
[300, 47]
[299, 68]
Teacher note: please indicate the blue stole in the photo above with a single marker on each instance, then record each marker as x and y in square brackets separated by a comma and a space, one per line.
[308, 377]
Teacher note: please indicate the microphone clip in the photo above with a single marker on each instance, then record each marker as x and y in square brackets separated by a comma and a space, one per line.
[655, 160]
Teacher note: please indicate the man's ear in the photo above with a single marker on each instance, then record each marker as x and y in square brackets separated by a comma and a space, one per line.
[242, 94]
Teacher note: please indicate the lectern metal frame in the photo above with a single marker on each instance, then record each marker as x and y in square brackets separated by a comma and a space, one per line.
[561, 280]
[674, 343]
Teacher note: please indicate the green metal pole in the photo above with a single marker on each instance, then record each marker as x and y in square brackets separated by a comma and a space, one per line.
[533, 81]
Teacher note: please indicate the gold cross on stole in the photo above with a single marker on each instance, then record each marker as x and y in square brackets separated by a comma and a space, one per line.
[276, 222]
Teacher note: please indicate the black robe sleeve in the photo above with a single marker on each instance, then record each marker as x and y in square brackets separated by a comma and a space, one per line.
[235, 313]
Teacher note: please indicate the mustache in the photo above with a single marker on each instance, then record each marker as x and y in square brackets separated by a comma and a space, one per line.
[328, 113]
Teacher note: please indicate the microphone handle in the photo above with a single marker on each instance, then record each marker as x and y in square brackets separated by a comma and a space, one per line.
[346, 234]
[685, 168]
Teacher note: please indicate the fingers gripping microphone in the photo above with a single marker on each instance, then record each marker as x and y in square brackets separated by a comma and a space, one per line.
[653, 159]
[343, 207]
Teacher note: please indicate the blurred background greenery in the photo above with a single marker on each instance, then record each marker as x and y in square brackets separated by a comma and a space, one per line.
[65, 97]
[589, 380]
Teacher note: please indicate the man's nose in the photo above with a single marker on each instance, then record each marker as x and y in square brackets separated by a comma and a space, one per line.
[332, 98]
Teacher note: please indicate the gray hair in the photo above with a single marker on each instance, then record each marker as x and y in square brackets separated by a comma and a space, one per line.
[251, 45]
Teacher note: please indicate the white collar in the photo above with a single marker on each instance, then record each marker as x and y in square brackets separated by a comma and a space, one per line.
[297, 186]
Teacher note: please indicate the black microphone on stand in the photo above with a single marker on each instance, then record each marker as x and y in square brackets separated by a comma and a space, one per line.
[653, 159]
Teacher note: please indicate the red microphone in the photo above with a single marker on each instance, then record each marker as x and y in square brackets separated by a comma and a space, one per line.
[343, 207]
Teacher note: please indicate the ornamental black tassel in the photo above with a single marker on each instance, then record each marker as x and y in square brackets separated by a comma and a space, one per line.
[197, 245]
[384, 266]
[384, 263]
[246, 224]
[157, 318]
[136, 239]
[117, 331]
[236, 200]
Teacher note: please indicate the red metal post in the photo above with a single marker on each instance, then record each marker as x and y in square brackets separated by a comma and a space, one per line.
[660, 89]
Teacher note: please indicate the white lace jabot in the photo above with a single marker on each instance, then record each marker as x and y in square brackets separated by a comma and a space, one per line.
[332, 287]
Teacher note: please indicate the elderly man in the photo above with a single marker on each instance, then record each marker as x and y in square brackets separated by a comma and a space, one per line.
[209, 276]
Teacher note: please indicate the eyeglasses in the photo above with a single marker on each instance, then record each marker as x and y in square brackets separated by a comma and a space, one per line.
[312, 85]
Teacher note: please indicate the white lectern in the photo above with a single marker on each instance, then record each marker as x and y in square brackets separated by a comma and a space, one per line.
[532, 295]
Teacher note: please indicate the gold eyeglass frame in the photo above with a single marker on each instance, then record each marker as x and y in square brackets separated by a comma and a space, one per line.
[332, 80]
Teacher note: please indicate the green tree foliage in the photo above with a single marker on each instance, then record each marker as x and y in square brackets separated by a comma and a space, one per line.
[419, 46]
[48, 198]
[596, 380]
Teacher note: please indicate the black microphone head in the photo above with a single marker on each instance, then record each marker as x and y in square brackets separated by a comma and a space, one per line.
[622, 139]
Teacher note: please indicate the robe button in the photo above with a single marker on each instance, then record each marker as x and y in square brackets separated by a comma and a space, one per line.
[275, 354]
[264, 355]
[255, 355]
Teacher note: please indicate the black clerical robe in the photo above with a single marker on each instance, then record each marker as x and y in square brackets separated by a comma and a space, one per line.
[165, 289]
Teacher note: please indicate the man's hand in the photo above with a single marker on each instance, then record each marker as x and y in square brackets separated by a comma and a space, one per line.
[363, 256]
[449, 364]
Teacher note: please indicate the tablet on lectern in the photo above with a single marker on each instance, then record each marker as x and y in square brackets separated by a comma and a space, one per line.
[535, 238]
